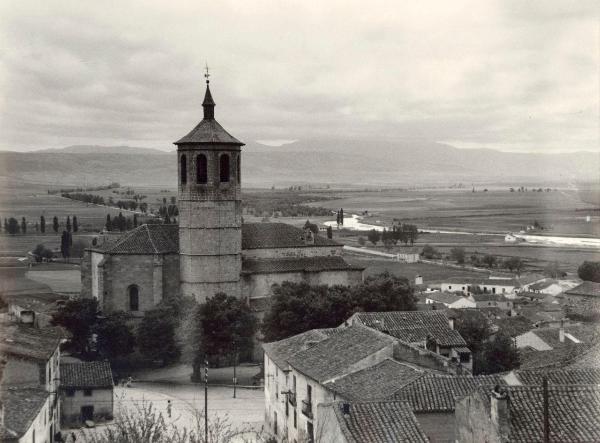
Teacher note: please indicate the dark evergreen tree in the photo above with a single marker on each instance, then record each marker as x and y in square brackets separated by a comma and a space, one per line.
[55, 224]
[135, 220]
[589, 271]
[329, 232]
[12, 226]
[65, 244]
[68, 225]
[75, 224]
[42, 224]
[23, 226]
[108, 225]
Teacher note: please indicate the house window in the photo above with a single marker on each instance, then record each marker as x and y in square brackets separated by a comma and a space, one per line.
[183, 169]
[224, 168]
[201, 169]
[70, 392]
[87, 392]
[134, 298]
[287, 408]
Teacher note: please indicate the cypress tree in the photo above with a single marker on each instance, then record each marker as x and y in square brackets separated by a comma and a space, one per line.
[108, 225]
[75, 224]
[42, 225]
[23, 226]
[68, 224]
[55, 224]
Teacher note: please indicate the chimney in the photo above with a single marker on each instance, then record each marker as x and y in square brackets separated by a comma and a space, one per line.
[500, 412]
[561, 332]
[451, 322]
[418, 280]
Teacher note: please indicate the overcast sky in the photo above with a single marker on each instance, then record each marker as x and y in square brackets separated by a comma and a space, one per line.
[509, 75]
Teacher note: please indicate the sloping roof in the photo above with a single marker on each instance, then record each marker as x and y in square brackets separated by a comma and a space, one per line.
[278, 235]
[515, 325]
[444, 297]
[488, 297]
[379, 422]
[376, 382]
[299, 264]
[282, 350]
[573, 413]
[92, 374]
[146, 239]
[587, 288]
[164, 239]
[28, 342]
[21, 406]
[482, 281]
[209, 132]
[413, 326]
[38, 302]
[576, 376]
[438, 393]
[334, 357]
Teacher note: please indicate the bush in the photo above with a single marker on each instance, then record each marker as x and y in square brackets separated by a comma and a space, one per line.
[589, 271]
[41, 252]
[361, 240]
[429, 252]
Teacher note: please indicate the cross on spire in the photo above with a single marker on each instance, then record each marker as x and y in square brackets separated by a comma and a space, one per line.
[206, 74]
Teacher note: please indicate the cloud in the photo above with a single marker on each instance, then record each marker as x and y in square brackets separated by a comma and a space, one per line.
[508, 75]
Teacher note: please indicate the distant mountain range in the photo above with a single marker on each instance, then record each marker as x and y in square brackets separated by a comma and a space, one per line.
[335, 162]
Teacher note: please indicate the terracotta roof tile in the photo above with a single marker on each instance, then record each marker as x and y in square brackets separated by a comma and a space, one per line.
[21, 406]
[379, 422]
[300, 264]
[209, 132]
[93, 374]
[28, 342]
[278, 235]
[587, 288]
[413, 326]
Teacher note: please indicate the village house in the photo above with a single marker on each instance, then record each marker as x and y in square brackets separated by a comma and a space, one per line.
[325, 365]
[550, 287]
[586, 292]
[373, 422]
[516, 414]
[30, 381]
[86, 392]
[33, 309]
[490, 300]
[431, 330]
[449, 300]
[469, 286]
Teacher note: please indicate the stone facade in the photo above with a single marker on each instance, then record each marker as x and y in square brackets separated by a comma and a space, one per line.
[74, 402]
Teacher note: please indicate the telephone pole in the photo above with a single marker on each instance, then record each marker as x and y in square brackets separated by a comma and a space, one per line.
[206, 400]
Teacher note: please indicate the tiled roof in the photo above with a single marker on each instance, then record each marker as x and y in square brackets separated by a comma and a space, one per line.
[146, 239]
[444, 297]
[164, 239]
[573, 413]
[578, 376]
[278, 235]
[209, 131]
[21, 406]
[300, 264]
[281, 351]
[334, 357]
[28, 342]
[437, 393]
[379, 422]
[93, 374]
[40, 302]
[413, 326]
[488, 297]
[587, 288]
[376, 382]
[515, 325]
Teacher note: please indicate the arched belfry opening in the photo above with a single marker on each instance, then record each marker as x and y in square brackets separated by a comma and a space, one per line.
[183, 169]
[201, 169]
[224, 168]
[134, 298]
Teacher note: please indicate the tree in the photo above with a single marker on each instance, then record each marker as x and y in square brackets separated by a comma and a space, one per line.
[55, 224]
[429, 252]
[41, 252]
[5, 225]
[156, 336]
[499, 354]
[77, 250]
[227, 324]
[108, 224]
[23, 225]
[489, 260]
[514, 264]
[361, 240]
[65, 244]
[77, 316]
[374, 236]
[68, 225]
[329, 232]
[75, 224]
[458, 255]
[474, 328]
[342, 216]
[589, 271]
[553, 270]
[114, 336]
[42, 224]
[13, 226]
[135, 220]
[312, 226]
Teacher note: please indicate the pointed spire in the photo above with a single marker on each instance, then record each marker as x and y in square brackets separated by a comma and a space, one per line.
[208, 104]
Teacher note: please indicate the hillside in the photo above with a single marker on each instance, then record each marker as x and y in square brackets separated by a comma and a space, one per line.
[315, 162]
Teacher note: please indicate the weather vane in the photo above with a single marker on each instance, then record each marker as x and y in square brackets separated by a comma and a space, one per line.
[206, 74]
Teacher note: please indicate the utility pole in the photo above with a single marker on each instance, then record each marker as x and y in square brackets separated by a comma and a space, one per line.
[234, 362]
[206, 400]
[546, 418]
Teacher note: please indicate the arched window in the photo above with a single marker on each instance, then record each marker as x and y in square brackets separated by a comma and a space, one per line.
[134, 298]
[239, 169]
[224, 168]
[201, 169]
[183, 169]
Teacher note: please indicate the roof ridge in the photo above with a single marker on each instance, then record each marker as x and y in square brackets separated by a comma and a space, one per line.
[150, 238]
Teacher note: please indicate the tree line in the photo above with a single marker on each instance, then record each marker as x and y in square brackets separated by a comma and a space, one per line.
[403, 233]
[13, 226]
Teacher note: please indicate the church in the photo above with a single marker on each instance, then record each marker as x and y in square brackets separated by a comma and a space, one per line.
[211, 250]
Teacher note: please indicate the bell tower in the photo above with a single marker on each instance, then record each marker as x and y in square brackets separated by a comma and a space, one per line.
[210, 207]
